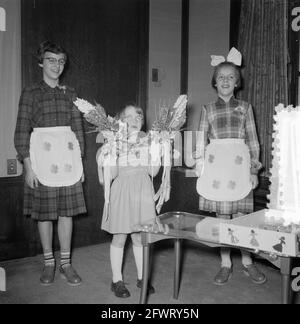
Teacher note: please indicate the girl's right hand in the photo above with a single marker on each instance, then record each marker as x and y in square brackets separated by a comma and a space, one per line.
[31, 179]
[199, 167]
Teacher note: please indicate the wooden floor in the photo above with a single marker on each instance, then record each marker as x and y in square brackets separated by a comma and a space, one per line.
[199, 266]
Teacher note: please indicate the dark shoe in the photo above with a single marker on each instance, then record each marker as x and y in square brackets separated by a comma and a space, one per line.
[139, 284]
[119, 289]
[255, 275]
[223, 276]
[68, 273]
[47, 276]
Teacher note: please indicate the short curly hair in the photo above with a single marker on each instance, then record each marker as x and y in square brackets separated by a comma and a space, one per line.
[237, 72]
[48, 46]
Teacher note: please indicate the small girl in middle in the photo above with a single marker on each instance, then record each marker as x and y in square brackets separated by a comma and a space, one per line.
[131, 199]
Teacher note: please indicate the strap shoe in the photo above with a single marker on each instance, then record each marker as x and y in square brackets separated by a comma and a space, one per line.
[68, 272]
[223, 276]
[47, 276]
[119, 289]
[139, 284]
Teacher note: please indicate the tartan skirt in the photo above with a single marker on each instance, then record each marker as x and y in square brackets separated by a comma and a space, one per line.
[244, 205]
[48, 203]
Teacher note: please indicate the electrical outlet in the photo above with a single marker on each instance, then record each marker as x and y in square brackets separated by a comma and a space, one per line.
[11, 166]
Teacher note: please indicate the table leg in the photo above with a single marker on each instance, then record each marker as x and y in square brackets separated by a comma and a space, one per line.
[146, 256]
[2, 280]
[285, 269]
[177, 248]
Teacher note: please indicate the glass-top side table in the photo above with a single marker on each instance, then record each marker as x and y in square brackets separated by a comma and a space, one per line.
[182, 225]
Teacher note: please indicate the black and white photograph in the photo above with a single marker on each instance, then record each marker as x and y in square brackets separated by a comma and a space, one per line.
[149, 154]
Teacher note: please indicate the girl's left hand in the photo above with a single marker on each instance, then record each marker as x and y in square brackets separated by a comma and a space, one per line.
[82, 177]
[254, 180]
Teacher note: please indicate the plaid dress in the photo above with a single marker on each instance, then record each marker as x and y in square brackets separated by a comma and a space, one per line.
[234, 119]
[43, 106]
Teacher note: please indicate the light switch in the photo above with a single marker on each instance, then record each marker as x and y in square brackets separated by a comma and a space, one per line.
[154, 75]
[11, 166]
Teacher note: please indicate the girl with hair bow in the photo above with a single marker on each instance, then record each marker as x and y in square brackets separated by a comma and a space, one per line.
[227, 159]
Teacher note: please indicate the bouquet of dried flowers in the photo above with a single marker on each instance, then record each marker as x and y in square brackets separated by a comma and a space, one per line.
[96, 115]
[171, 119]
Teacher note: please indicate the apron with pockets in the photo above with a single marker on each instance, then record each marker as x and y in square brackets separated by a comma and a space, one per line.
[55, 156]
[226, 171]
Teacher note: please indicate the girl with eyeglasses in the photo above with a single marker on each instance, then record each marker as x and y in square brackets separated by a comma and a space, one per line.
[49, 140]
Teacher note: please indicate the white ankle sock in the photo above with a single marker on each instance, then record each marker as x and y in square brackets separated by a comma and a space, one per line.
[246, 258]
[138, 257]
[116, 260]
[225, 258]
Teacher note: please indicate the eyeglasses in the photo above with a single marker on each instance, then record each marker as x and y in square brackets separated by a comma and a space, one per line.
[54, 61]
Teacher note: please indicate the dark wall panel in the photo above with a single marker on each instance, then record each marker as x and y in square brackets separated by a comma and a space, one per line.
[102, 38]
[107, 45]
[18, 235]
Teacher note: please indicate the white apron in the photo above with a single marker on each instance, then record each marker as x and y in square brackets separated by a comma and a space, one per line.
[55, 156]
[226, 171]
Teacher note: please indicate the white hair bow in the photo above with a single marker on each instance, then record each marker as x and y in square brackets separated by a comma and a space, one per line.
[234, 56]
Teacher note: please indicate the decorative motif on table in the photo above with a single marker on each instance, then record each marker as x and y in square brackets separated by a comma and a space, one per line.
[233, 238]
[253, 241]
[279, 247]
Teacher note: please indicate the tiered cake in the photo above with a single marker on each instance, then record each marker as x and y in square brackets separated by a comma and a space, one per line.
[285, 176]
[276, 229]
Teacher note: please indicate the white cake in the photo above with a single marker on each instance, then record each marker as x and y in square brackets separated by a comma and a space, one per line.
[285, 172]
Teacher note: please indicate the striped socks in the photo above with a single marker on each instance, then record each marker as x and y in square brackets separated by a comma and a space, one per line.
[65, 258]
[49, 259]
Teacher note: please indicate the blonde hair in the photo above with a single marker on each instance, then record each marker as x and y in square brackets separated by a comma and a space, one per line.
[138, 110]
[237, 72]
